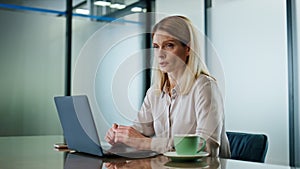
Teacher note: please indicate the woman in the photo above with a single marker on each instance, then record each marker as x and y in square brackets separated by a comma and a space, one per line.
[183, 98]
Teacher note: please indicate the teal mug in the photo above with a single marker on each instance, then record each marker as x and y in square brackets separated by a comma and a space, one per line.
[188, 144]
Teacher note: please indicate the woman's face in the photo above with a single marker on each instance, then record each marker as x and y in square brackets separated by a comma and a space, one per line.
[169, 52]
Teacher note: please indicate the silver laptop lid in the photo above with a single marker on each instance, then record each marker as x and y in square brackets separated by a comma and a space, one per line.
[78, 125]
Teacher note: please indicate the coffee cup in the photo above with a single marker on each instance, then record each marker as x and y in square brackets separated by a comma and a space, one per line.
[188, 144]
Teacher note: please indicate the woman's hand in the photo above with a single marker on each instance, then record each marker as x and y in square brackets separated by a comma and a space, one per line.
[129, 136]
[110, 135]
[212, 148]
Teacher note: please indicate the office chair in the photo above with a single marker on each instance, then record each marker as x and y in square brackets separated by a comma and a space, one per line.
[248, 147]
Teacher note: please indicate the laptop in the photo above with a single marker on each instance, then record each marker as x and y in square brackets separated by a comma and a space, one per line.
[80, 131]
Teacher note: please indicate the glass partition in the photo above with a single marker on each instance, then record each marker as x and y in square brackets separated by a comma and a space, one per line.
[32, 72]
[250, 38]
[294, 28]
[33, 49]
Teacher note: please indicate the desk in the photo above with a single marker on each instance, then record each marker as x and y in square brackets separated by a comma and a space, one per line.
[30, 152]
[37, 152]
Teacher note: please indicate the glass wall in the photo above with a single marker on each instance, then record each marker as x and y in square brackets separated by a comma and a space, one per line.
[33, 49]
[109, 67]
[250, 38]
[32, 72]
[296, 12]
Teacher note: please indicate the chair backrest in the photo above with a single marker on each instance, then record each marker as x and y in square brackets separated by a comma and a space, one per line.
[248, 147]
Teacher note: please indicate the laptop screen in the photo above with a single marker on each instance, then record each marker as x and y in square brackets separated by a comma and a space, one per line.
[78, 125]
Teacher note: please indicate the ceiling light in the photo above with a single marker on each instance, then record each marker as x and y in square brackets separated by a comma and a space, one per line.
[118, 6]
[102, 3]
[136, 9]
[82, 11]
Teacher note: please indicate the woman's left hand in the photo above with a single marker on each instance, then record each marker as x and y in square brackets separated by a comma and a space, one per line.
[131, 137]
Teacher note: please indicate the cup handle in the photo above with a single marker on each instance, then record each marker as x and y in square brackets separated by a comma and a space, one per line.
[203, 145]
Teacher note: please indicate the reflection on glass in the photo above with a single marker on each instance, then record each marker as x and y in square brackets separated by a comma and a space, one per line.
[76, 161]
[97, 11]
[108, 10]
[57, 5]
[162, 162]
[83, 161]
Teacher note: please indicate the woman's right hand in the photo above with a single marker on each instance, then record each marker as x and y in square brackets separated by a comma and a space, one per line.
[110, 135]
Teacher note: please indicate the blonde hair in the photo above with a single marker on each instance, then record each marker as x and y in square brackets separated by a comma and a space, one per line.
[181, 28]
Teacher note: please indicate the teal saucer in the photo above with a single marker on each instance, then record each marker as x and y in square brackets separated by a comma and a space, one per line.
[195, 164]
[181, 158]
